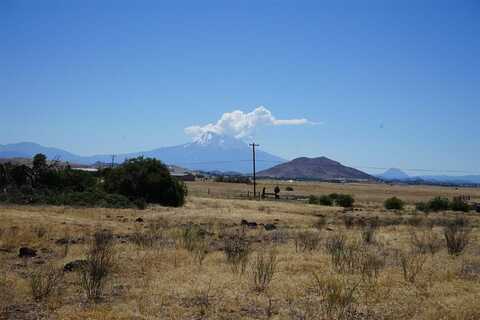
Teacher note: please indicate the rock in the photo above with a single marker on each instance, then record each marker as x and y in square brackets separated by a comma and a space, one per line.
[74, 265]
[64, 241]
[270, 227]
[251, 224]
[139, 220]
[26, 252]
[39, 261]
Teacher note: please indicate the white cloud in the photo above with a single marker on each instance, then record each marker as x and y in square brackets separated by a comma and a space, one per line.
[240, 124]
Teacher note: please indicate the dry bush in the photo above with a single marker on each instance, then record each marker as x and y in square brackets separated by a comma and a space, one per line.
[66, 243]
[307, 241]
[470, 270]
[10, 237]
[303, 306]
[98, 265]
[39, 231]
[6, 292]
[320, 223]
[263, 269]
[195, 240]
[45, 281]
[203, 301]
[335, 243]
[200, 251]
[411, 263]
[414, 221]
[355, 257]
[237, 250]
[368, 234]
[155, 235]
[370, 263]
[426, 241]
[348, 221]
[336, 296]
[192, 234]
[279, 237]
[342, 254]
[457, 236]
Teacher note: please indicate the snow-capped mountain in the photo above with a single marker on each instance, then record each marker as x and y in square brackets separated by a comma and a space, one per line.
[210, 139]
[208, 153]
[215, 152]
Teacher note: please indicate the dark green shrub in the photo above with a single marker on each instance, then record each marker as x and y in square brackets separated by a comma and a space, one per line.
[333, 196]
[288, 189]
[439, 204]
[148, 179]
[325, 200]
[422, 206]
[233, 179]
[394, 203]
[313, 199]
[89, 199]
[140, 203]
[459, 205]
[344, 200]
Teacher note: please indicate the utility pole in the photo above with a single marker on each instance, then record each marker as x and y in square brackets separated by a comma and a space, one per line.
[113, 160]
[253, 145]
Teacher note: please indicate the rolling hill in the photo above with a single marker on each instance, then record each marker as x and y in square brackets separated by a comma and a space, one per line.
[320, 168]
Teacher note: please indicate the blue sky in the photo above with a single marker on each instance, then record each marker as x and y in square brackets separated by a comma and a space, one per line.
[395, 83]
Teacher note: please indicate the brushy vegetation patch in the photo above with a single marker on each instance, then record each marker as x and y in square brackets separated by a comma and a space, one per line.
[394, 203]
[133, 184]
[443, 203]
[233, 179]
[341, 200]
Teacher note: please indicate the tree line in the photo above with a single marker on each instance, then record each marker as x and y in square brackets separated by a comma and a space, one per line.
[136, 182]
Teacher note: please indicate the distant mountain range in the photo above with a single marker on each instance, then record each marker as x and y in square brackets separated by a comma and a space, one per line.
[320, 168]
[208, 153]
[220, 153]
[394, 174]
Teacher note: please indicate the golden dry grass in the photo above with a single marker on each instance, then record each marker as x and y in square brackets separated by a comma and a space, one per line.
[164, 281]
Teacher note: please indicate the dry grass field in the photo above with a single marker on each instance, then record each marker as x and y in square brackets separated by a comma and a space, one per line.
[299, 261]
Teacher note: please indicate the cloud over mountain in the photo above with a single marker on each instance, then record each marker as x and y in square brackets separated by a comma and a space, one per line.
[240, 124]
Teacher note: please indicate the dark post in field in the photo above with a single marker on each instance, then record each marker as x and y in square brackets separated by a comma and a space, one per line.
[253, 145]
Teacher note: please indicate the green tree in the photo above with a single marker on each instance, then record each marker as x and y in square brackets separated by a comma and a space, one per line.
[39, 162]
[145, 178]
[439, 204]
[393, 203]
[458, 204]
[344, 200]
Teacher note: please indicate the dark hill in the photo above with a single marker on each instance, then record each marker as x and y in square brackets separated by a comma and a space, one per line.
[320, 168]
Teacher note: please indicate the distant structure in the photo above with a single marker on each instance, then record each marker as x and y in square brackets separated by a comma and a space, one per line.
[86, 169]
[181, 173]
[184, 176]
